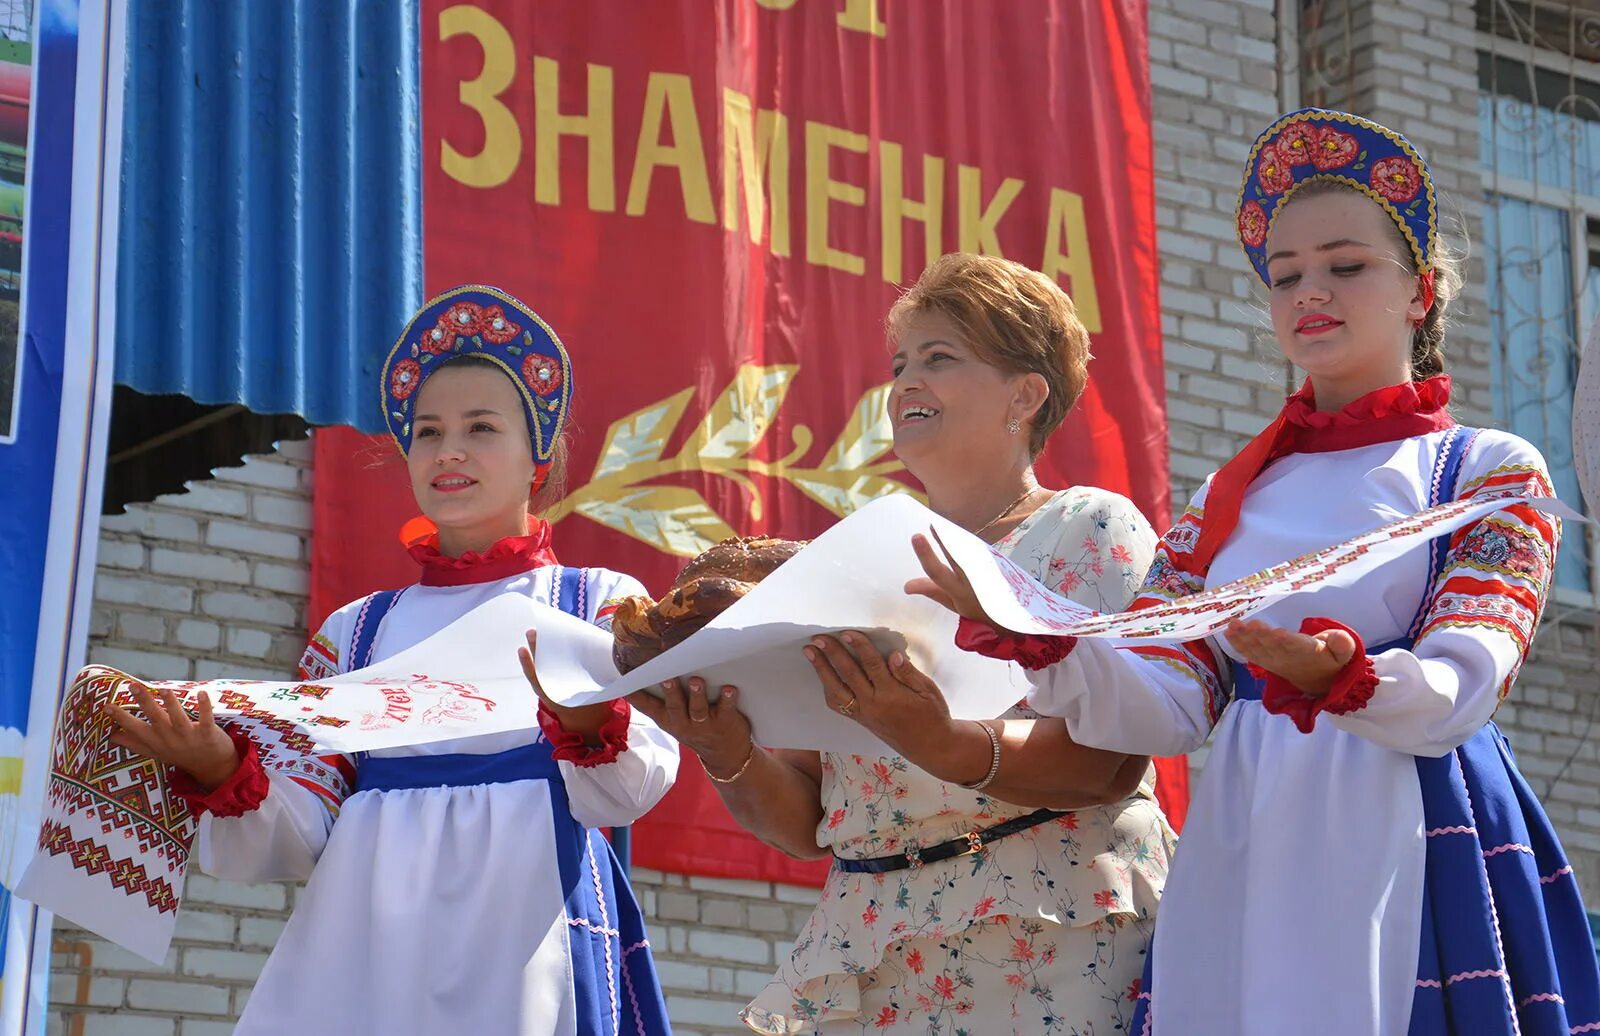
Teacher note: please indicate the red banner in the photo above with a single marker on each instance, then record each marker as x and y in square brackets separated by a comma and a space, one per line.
[714, 204]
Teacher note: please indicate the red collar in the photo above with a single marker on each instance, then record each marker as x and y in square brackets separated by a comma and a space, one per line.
[508, 557]
[1387, 415]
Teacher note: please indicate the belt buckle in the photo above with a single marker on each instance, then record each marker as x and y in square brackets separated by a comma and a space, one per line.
[974, 844]
[913, 856]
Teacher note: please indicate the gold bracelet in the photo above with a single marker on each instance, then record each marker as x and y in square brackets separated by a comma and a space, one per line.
[737, 773]
[994, 761]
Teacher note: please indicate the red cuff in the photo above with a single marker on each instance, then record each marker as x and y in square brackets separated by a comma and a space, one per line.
[1352, 688]
[574, 749]
[245, 790]
[1030, 650]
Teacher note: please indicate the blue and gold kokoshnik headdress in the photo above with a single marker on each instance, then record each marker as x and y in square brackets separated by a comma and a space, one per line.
[1317, 144]
[487, 324]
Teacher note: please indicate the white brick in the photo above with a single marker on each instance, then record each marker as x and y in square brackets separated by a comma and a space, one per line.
[295, 451]
[260, 931]
[252, 643]
[194, 1027]
[203, 925]
[1181, 301]
[797, 894]
[1196, 469]
[105, 991]
[228, 964]
[142, 627]
[1180, 409]
[287, 579]
[265, 609]
[677, 906]
[147, 592]
[261, 471]
[1213, 12]
[206, 566]
[1222, 336]
[727, 946]
[1243, 422]
[1219, 391]
[1168, 25]
[747, 984]
[273, 509]
[148, 665]
[1177, 81]
[178, 997]
[197, 634]
[683, 976]
[156, 525]
[722, 913]
[1187, 246]
[694, 1010]
[1206, 61]
[1188, 356]
[768, 918]
[202, 888]
[253, 539]
[209, 498]
[119, 554]
[730, 886]
[122, 1024]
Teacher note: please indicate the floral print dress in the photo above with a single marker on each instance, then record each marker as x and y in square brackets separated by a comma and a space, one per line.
[1046, 931]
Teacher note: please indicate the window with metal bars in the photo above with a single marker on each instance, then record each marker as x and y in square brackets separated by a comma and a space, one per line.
[1539, 122]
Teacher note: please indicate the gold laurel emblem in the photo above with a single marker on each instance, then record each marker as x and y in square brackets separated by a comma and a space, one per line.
[621, 493]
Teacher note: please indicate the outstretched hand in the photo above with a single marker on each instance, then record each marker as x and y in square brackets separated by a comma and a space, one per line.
[1309, 662]
[945, 582]
[584, 720]
[168, 734]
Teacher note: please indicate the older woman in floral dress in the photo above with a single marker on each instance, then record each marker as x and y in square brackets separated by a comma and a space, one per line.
[1044, 930]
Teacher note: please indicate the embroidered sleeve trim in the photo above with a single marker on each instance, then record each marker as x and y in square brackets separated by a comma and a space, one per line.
[571, 747]
[1352, 688]
[1031, 651]
[241, 793]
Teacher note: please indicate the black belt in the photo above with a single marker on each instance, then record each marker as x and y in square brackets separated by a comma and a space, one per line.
[968, 844]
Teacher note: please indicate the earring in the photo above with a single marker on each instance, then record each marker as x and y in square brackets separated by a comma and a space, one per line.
[1013, 426]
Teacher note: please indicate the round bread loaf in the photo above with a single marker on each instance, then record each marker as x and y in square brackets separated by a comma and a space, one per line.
[709, 585]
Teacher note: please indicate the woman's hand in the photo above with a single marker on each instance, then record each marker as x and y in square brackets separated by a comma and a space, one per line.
[945, 582]
[899, 704]
[717, 732]
[583, 720]
[1311, 663]
[169, 735]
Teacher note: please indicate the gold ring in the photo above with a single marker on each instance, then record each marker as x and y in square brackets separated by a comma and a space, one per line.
[848, 708]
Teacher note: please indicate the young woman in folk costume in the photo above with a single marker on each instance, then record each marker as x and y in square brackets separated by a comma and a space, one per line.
[1045, 929]
[458, 886]
[1362, 855]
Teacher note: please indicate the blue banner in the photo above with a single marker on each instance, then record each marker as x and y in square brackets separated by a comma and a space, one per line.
[59, 127]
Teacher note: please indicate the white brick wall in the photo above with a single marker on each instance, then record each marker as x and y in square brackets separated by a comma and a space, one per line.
[197, 584]
[215, 581]
[717, 942]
